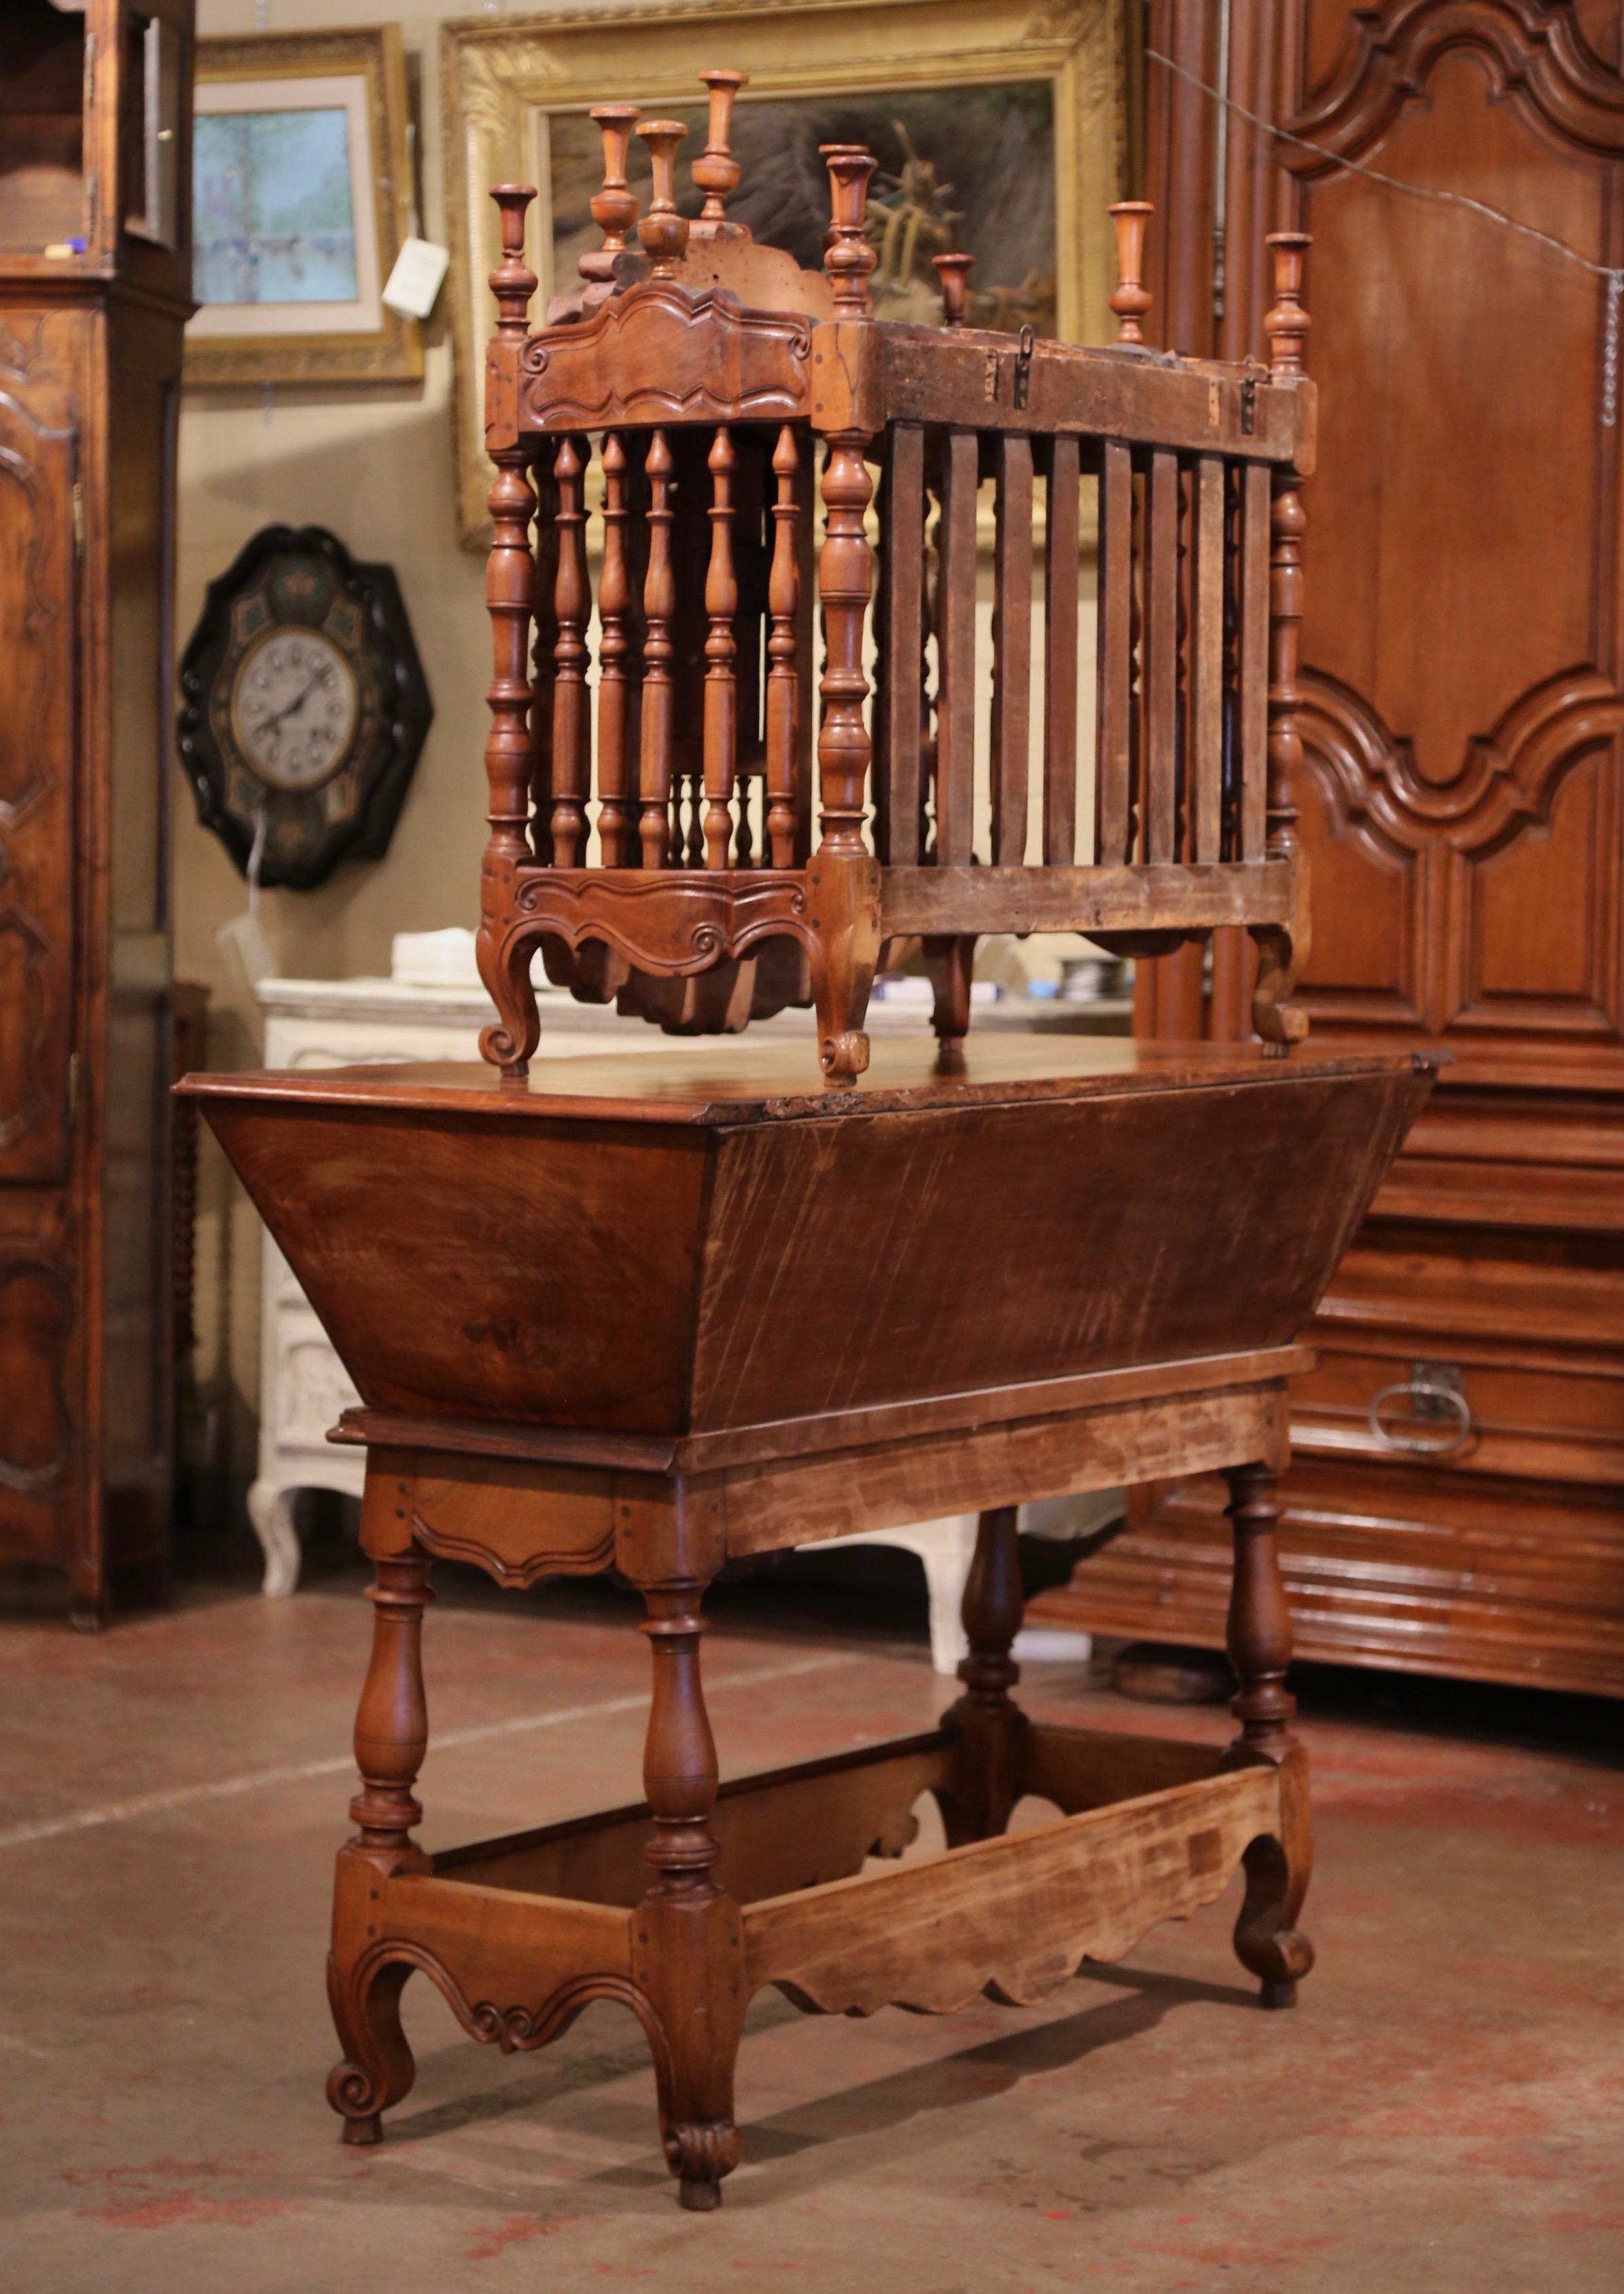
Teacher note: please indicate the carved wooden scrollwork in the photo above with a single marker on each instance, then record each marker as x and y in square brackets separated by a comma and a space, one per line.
[1537, 57]
[660, 352]
[1507, 777]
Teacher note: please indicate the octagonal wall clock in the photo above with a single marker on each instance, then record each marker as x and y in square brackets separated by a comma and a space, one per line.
[303, 706]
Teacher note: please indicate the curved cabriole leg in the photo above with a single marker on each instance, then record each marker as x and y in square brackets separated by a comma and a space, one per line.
[688, 1938]
[390, 1738]
[1267, 1939]
[843, 907]
[1277, 1021]
[505, 970]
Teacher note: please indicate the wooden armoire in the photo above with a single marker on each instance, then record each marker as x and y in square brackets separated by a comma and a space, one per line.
[95, 278]
[1457, 1504]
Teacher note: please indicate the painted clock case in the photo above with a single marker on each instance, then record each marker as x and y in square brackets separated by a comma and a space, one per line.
[89, 354]
[1462, 812]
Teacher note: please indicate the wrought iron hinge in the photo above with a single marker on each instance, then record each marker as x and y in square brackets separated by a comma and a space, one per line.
[1023, 366]
[1248, 406]
[78, 520]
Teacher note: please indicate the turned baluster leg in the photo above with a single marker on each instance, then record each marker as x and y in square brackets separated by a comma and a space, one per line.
[1267, 1940]
[990, 1729]
[688, 1951]
[390, 1738]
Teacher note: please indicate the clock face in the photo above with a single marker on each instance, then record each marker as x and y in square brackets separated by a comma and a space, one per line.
[294, 707]
[303, 706]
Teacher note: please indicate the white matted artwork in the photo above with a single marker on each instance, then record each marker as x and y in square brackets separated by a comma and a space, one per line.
[301, 204]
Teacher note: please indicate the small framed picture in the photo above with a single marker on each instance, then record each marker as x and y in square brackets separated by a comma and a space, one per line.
[302, 199]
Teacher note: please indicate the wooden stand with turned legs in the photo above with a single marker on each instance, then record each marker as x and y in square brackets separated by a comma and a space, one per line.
[932, 1294]
[683, 1906]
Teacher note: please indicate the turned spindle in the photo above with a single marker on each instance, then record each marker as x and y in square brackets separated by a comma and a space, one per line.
[1259, 1632]
[663, 231]
[513, 282]
[679, 1766]
[783, 681]
[659, 655]
[716, 172]
[613, 208]
[1130, 299]
[1284, 329]
[392, 1719]
[848, 257]
[721, 699]
[954, 272]
[509, 592]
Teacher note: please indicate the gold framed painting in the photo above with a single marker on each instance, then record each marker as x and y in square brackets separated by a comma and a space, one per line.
[302, 198]
[1000, 127]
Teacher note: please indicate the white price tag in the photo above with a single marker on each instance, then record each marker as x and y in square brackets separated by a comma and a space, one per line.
[415, 280]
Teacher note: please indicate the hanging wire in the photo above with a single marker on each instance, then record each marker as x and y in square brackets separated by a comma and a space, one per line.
[1614, 279]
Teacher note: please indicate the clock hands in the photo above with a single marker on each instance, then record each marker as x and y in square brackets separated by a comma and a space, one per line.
[291, 708]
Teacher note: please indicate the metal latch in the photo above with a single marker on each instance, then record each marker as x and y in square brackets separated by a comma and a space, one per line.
[1023, 366]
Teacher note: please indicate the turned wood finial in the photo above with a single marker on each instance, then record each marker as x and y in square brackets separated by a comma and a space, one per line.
[848, 257]
[1130, 299]
[615, 207]
[715, 171]
[664, 233]
[1286, 327]
[954, 272]
[513, 282]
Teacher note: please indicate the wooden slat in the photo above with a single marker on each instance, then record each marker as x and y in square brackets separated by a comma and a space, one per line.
[1207, 664]
[937, 375]
[1161, 896]
[1113, 668]
[1253, 662]
[956, 708]
[904, 666]
[1016, 1915]
[1012, 740]
[1060, 541]
[1161, 820]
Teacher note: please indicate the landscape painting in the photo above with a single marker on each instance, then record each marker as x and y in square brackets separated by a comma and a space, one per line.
[274, 217]
[301, 202]
[961, 170]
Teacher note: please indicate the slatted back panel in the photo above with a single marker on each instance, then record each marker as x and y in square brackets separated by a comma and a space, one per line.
[1181, 627]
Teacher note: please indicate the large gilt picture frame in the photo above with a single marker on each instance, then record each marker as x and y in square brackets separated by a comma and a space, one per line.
[301, 196]
[999, 125]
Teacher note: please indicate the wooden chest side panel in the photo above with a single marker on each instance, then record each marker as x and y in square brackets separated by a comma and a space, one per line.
[873, 1259]
[511, 1271]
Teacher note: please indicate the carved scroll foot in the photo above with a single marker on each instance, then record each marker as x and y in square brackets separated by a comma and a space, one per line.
[843, 895]
[1266, 1942]
[1281, 955]
[699, 2152]
[505, 970]
[377, 2068]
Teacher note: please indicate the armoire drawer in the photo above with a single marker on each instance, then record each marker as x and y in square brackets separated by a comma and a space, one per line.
[1457, 1406]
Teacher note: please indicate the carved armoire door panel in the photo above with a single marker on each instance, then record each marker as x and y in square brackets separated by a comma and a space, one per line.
[1462, 633]
[38, 681]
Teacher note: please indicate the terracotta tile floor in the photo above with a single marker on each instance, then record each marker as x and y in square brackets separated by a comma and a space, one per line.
[1445, 2109]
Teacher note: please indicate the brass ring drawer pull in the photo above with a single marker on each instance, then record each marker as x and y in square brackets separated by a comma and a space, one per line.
[1429, 1398]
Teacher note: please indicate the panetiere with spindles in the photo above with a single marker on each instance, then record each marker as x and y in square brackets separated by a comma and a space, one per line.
[718, 816]
[658, 1315]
